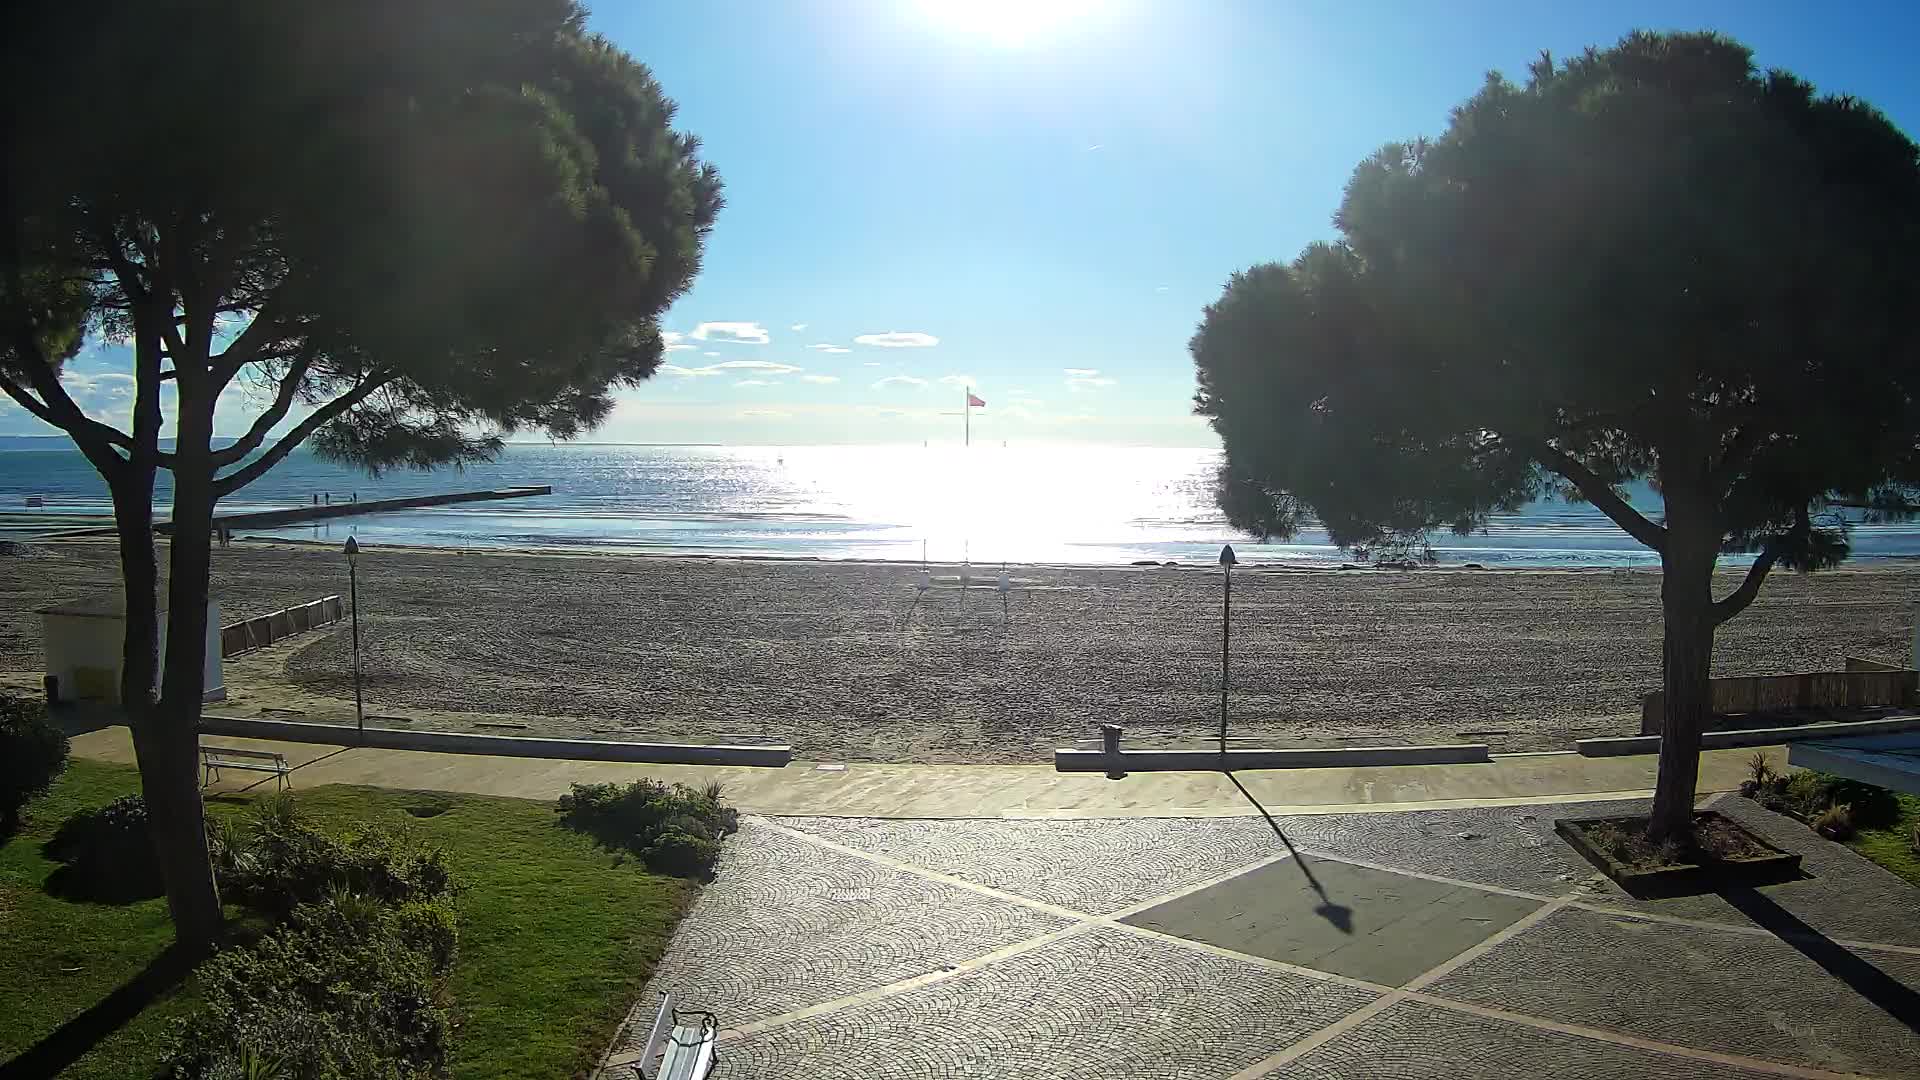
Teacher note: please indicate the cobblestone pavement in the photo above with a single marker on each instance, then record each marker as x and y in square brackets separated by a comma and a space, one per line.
[925, 950]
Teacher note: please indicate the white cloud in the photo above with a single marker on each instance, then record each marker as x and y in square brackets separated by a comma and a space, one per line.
[1082, 372]
[873, 363]
[756, 365]
[1160, 288]
[823, 380]
[825, 348]
[1077, 385]
[797, 327]
[766, 414]
[899, 380]
[758, 382]
[678, 372]
[741, 333]
[960, 380]
[106, 396]
[674, 341]
[898, 339]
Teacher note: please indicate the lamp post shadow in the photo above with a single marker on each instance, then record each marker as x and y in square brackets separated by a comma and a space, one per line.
[1339, 915]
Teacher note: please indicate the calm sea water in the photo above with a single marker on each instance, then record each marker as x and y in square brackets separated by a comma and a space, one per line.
[1031, 504]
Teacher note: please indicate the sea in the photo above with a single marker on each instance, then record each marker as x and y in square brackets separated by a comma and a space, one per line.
[984, 504]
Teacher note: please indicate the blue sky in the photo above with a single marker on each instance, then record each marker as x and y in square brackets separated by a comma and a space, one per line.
[1052, 190]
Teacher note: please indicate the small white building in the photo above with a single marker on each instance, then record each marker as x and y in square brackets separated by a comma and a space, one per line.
[84, 640]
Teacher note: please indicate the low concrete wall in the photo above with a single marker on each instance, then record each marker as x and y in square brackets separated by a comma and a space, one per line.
[1721, 740]
[264, 630]
[1074, 760]
[444, 742]
[1854, 688]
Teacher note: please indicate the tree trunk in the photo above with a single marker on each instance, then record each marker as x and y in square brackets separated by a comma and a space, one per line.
[172, 787]
[1686, 664]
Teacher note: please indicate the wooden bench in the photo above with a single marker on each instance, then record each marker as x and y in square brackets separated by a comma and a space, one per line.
[685, 1051]
[215, 758]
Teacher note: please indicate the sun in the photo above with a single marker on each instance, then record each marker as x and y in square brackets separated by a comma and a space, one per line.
[1006, 22]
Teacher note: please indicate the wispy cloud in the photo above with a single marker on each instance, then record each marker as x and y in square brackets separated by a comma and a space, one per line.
[758, 382]
[899, 380]
[1077, 385]
[740, 333]
[709, 354]
[757, 365]
[823, 380]
[960, 380]
[873, 363]
[726, 367]
[1082, 372]
[898, 339]
[674, 340]
[825, 348]
[763, 414]
[797, 327]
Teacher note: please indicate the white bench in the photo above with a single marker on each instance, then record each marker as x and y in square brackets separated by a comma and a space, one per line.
[215, 758]
[685, 1051]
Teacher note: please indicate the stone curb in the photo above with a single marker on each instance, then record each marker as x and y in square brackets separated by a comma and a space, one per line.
[1075, 760]
[1722, 740]
[498, 745]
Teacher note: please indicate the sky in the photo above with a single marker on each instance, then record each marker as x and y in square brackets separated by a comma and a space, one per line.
[1037, 198]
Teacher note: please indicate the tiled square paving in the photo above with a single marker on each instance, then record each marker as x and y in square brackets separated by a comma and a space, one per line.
[1097, 1005]
[1098, 867]
[1706, 989]
[1416, 1041]
[1332, 916]
[1512, 847]
[787, 924]
[1840, 894]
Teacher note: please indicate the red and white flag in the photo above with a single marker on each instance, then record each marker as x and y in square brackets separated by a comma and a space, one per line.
[974, 402]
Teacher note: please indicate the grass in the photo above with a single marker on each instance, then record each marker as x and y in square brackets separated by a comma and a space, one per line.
[1893, 847]
[556, 936]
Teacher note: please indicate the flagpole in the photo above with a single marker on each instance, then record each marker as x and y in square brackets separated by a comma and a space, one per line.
[966, 410]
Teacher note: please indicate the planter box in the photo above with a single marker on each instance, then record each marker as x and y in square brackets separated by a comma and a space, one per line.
[1773, 865]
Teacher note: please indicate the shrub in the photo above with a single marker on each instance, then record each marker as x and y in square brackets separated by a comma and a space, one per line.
[33, 754]
[340, 992]
[107, 853]
[673, 829]
[1835, 822]
[1761, 769]
[280, 862]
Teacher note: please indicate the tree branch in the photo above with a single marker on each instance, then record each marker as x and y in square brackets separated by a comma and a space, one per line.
[282, 401]
[1736, 601]
[241, 350]
[320, 417]
[1601, 494]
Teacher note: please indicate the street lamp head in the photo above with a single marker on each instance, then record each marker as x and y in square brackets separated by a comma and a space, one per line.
[353, 548]
[1226, 557]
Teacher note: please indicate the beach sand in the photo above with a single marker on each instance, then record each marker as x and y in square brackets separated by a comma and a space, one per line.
[837, 660]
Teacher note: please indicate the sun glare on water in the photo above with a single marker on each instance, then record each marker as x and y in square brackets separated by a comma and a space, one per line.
[1007, 22]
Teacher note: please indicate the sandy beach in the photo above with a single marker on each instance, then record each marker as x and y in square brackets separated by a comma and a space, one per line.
[838, 660]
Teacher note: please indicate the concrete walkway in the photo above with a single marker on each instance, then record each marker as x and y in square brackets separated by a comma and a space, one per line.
[807, 789]
[1426, 945]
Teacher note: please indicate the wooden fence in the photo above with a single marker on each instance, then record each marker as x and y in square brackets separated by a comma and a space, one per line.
[1863, 685]
[263, 630]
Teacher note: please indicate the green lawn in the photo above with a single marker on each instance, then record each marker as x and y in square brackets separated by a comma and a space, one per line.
[556, 937]
[1893, 848]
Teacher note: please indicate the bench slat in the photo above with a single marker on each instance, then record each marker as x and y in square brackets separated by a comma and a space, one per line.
[689, 1055]
[234, 751]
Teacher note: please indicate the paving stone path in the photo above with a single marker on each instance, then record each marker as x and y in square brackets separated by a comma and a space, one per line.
[1444, 944]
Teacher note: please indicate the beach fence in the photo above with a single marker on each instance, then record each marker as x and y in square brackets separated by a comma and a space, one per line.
[1864, 684]
[263, 630]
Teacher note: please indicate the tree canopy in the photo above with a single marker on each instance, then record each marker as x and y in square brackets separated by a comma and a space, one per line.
[428, 222]
[1646, 262]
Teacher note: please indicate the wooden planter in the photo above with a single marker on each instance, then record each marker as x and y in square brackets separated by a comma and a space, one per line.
[1773, 865]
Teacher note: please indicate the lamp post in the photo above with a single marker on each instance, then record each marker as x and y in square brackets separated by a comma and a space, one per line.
[1226, 638]
[353, 594]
